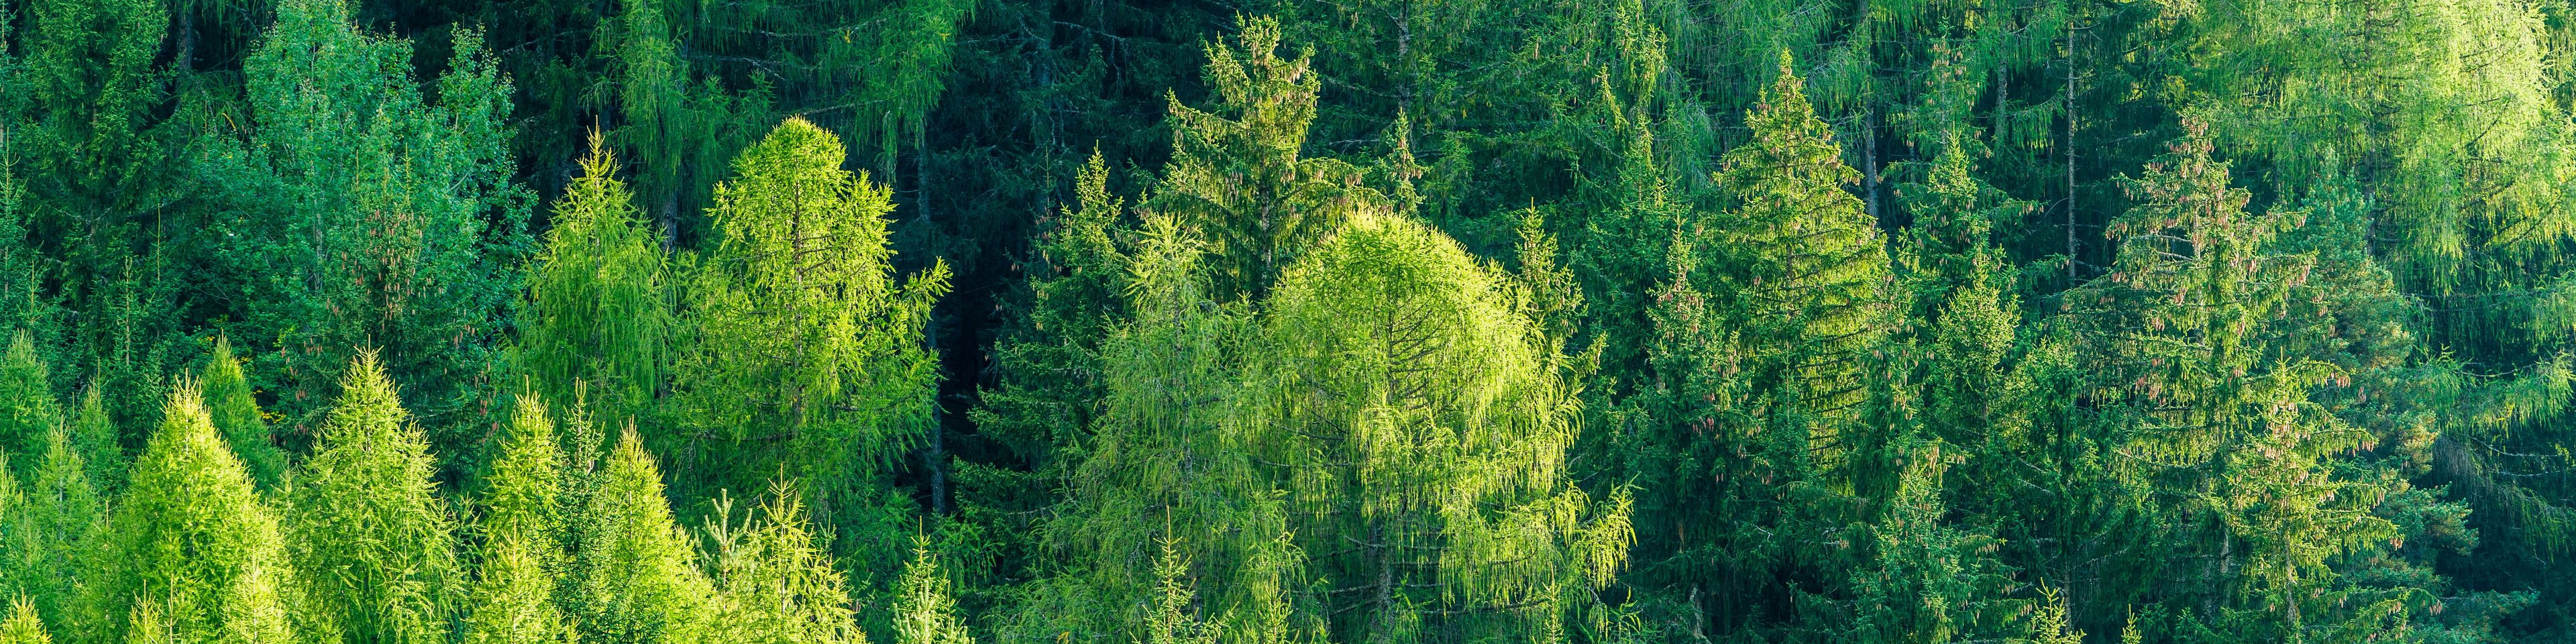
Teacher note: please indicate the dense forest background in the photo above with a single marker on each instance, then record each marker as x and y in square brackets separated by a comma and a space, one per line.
[1256, 321]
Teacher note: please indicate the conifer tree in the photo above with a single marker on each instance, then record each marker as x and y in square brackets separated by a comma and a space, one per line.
[375, 543]
[1240, 173]
[23, 625]
[191, 542]
[58, 518]
[1419, 425]
[351, 210]
[925, 612]
[28, 410]
[777, 581]
[598, 303]
[95, 437]
[512, 599]
[808, 353]
[1802, 259]
[636, 577]
[237, 415]
[1163, 471]
[521, 564]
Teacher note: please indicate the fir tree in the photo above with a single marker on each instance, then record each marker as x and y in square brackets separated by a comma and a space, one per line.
[375, 542]
[59, 518]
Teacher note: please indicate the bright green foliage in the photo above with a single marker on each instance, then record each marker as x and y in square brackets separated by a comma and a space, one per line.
[94, 436]
[376, 545]
[23, 626]
[808, 352]
[190, 544]
[1171, 376]
[352, 211]
[597, 317]
[28, 410]
[521, 561]
[925, 613]
[57, 518]
[1419, 425]
[776, 580]
[1240, 173]
[236, 414]
[512, 601]
[635, 575]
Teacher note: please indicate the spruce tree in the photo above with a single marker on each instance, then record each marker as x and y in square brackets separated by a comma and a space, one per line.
[190, 541]
[512, 598]
[1240, 172]
[375, 543]
[237, 415]
[95, 436]
[1802, 260]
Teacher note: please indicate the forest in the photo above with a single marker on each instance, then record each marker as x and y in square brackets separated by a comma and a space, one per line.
[1287, 322]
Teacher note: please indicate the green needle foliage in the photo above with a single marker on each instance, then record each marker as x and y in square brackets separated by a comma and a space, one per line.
[191, 551]
[1362, 321]
[23, 626]
[376, 545]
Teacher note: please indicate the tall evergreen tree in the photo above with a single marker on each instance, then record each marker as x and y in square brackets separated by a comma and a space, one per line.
[29, 412]
[521, 562]
[377, 546]
[23, 626]
[57, 519]
[777, 581]
[926, 611]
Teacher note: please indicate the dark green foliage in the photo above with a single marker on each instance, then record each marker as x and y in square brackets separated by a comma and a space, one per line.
[1588, 321]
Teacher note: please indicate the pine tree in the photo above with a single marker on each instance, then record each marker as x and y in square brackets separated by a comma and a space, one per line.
[375, 542]
[237, 415]
[777, 581]
[1419, 426]
[636, 577]
[512, 600]
[190, 541]
[808, 353]
[598, 304]
[28, 410]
